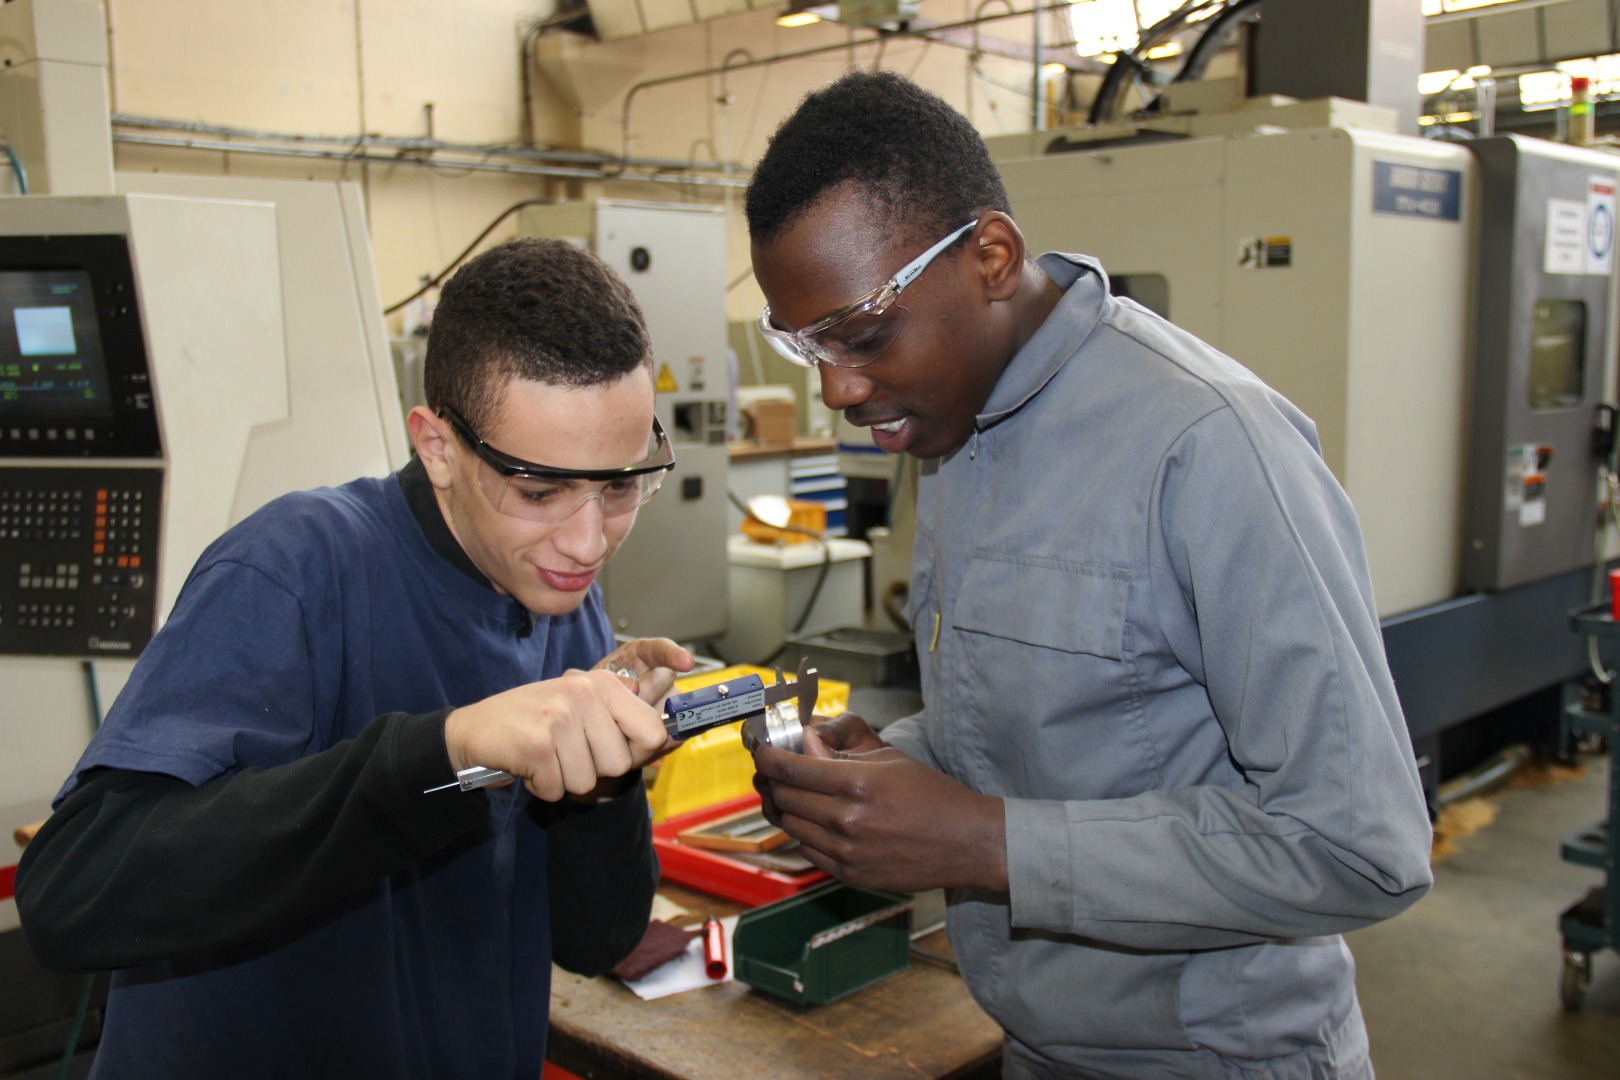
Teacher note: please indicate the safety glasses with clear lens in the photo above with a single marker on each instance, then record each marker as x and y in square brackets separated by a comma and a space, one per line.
[523, 489]
[858, 333]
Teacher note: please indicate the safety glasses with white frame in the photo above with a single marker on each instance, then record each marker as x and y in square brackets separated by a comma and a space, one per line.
[857, 333]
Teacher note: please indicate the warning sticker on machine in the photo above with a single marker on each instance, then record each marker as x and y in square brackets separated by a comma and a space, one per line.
[1258, 252]
[1525, 497]
[666, 381]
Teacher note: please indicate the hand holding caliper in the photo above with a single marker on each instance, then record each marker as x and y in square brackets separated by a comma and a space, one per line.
[770, 715]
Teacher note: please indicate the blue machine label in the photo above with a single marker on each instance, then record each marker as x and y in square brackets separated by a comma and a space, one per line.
[686, 714]
[1414, 191]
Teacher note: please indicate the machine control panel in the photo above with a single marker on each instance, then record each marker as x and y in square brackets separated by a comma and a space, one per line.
[78, 560]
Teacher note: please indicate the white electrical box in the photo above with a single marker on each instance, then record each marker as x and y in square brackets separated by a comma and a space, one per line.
[669, 577]
[774, 593]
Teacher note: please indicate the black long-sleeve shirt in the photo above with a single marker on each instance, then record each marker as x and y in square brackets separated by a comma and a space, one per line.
[139, 867]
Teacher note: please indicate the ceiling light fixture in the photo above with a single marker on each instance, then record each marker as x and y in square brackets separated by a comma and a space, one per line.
[801, 13]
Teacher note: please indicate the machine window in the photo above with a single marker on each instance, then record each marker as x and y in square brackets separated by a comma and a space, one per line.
[1557, 353]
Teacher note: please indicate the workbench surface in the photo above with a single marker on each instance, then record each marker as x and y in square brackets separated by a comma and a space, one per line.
[918, 1023]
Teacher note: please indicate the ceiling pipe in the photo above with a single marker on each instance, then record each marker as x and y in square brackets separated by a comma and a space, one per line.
[518, 160]
[675, 175]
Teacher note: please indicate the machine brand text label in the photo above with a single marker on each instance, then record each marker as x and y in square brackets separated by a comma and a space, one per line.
[1417, 192]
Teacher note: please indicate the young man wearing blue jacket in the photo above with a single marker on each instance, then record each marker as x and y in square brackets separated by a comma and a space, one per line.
[250, 841]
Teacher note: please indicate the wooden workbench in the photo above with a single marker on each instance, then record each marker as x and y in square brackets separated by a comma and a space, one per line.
[918, 1023]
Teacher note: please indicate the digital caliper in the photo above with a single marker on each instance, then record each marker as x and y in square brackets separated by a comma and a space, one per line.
[771, 716]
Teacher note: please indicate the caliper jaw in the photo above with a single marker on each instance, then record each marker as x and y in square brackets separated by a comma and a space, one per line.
[788, 709]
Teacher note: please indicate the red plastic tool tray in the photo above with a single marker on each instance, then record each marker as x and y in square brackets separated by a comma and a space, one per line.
[715, 874]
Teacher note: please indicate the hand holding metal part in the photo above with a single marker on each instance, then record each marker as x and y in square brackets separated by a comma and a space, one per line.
[771, 716]
[872, 815]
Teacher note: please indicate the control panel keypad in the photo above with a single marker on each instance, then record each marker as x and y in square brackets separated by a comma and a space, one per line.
[77, 554]
[40, 514]
[116, 537]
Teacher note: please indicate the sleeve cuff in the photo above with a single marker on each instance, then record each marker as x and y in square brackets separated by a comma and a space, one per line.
[418, 760]
[607, 815]
[418, 754]
[1039, 863]
[906, 735]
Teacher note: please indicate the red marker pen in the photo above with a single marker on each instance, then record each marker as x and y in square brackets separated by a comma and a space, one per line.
[714, 948]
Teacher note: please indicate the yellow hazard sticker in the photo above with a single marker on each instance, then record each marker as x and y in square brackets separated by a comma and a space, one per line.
[666, 380]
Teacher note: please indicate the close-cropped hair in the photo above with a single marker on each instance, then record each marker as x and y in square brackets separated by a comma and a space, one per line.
[918, 162]
[533, 308]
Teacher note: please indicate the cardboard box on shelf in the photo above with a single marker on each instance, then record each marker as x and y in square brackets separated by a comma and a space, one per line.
[771, 422]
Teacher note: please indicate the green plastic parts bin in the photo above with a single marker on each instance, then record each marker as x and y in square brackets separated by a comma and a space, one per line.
[824, 943]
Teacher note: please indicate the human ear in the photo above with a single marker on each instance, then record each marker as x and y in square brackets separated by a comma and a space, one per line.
[1000, 248]
[430, 436]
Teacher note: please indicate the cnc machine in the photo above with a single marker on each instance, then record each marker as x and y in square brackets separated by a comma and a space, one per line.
[1444, 312]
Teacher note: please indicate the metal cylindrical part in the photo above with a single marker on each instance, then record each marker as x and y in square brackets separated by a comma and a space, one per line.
[782, 727]
[777, 726]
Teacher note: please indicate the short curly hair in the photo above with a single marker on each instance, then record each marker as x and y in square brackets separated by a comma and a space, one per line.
[532, 308]
[921, 164]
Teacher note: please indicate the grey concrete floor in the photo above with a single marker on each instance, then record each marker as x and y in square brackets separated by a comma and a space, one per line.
[1464, 985]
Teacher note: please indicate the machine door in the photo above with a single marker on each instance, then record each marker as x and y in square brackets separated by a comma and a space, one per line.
[1544, 323]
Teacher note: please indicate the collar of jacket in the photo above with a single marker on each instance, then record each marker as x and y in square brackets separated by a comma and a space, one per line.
[1085, 296]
